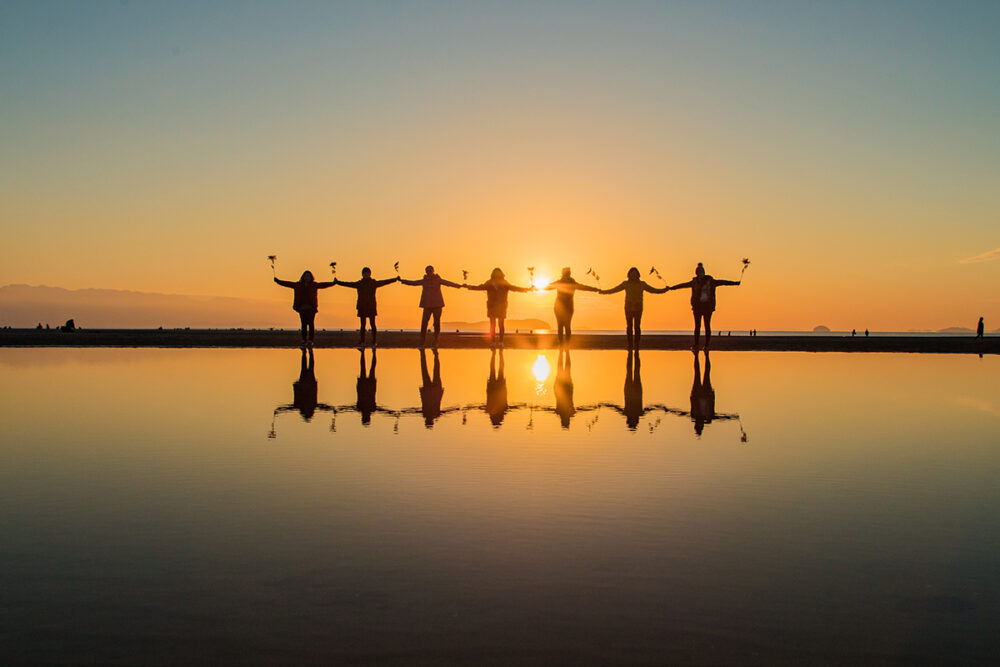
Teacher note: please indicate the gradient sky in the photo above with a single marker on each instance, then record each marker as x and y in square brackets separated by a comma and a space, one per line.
[850, 149]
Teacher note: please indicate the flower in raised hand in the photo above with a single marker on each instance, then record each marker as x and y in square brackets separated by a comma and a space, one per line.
[396, 267]
[465, 275]
[333, 268]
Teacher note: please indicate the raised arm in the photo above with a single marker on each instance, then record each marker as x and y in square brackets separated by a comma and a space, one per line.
[615, 289]
[449, 283]
[689, 283]
[285, 283]
[387, 281]
[515, 288]
[655, 290]
[347, 283]
[477, 288]
[412, 283]
[325, 285]
[726, 282]
[586, 288]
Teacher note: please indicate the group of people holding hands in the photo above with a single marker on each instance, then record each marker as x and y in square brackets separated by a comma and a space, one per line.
[497, 289]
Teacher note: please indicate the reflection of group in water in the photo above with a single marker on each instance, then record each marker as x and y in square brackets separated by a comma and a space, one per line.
[496, 406]
[497, 289]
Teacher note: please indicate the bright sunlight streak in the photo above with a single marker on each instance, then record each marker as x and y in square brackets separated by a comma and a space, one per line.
[541, 368]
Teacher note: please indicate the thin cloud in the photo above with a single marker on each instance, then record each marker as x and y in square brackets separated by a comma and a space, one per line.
[985, 257]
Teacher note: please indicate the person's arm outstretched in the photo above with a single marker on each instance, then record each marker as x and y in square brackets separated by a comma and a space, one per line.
[325, 285]
[725, 282]
[285, 283]
[655, 290]
[347, 283]
[515, 288]
[615, 289]
[387, 281]
[689, 283]
[586, 288]
[449, 283]
[477, 288]
[412, 283]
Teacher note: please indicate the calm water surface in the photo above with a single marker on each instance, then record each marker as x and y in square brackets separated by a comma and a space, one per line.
[239, 506]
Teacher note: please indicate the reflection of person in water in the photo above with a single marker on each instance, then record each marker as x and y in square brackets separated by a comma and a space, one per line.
[432, 391]
[702, 395]
[633, 391]
[634, 288]
[703, 300]
[431, 300]
[563, 389]
[305, 391]
[496, 390]
[565, 288]
[497, 289]
[366, 390]
[306, 302]
[367, 309]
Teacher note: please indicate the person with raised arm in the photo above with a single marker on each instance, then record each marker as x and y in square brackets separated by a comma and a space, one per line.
[565, 288]
[634, 287]
[703, 300]
[497, 288]
[367, 307]
[431, 300]
[306, 302]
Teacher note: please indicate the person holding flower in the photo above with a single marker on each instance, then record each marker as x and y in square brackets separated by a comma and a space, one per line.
[366, 305]
[306, 302]
[497, 288]
[431, 300]
[565, 288]
[634, 287]
[703, 300]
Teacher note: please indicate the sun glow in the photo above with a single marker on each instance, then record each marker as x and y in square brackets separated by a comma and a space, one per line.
[540, 281]
[541, 368]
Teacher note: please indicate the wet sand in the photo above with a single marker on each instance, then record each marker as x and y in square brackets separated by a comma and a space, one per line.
[409, 339]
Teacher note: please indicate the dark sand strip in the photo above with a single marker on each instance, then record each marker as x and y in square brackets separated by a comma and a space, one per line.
[583, 340]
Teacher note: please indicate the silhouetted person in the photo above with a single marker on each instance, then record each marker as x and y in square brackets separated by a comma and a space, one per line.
[866, 333]
[367, 308]
[634, 287]
[565, 288]
[703, 300]
[633, 391]
[980, 329]
[306, 302]
[366, 390]
[854, 332]
[496, 390]
[431, 300]
[497, 288]
[305, 390]
[39, 327]
[563, 389]
[432, 391]
[702, 395]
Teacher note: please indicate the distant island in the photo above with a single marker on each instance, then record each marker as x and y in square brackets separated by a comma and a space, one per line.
[957, 330]
[511, 325]
[821, 329]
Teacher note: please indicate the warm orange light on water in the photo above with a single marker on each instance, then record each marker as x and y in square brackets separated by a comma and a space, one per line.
[541, 368]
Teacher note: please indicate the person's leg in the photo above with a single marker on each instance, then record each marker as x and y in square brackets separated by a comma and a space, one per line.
[560, 327]
[697, 329]
[437, 324]
[424, 319]
[374, 330]
[569, 327]
[501, 331]
[637, 327]
[708, 328]
[361, 331]
[304, 323]
[628, 329]
[311, 325]
[493, 331]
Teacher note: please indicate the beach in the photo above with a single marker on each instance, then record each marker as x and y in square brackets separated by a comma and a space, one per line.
[261, 338]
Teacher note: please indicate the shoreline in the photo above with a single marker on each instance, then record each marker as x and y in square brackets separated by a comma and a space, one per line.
[264, 338]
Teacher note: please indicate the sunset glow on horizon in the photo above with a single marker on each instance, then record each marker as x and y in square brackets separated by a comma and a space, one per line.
[851, 150]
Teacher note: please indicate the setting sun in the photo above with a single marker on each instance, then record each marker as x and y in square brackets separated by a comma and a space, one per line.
[540, 281]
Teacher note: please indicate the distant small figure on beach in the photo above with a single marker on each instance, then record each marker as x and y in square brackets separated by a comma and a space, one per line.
[496, 390]
[306, 302]
[634, 287]
[866, 333]
[565, 288]
[39, 327]
[980, 328]
[431, 300]
[432, 391]
[497, 288]
[703, 300]
[563, 389]
[366, 304]
[854, 332]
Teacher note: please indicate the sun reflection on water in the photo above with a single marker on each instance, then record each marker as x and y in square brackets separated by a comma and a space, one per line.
[541, 369]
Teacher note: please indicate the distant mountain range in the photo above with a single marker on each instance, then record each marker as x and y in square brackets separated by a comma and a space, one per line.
[509, 325]
[27, 305]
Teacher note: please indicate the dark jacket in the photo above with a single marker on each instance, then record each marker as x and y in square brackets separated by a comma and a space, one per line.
[366, 293]
[703, 291]
[305, 293]
[634, 290]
